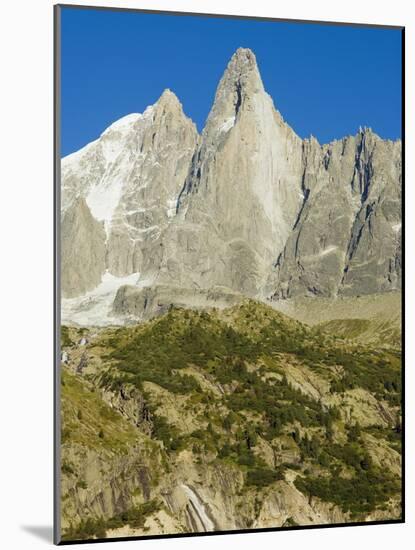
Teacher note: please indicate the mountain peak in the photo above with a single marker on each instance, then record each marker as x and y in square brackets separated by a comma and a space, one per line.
[168, 98]
[238, 85]
[123, 124]
[243, 59]
[242, 67]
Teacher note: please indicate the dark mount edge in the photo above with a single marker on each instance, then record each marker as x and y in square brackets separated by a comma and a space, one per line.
[56, 277]
[227, 16]
[56, 274]
[234, 532]
[403, 324]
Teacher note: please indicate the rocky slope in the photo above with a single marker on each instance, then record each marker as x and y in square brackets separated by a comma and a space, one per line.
[242, 193]
[347, 238]
[373, 318]
[197, 408]
[129, 180]
[238, 418]
[83, 249]
[247, 206]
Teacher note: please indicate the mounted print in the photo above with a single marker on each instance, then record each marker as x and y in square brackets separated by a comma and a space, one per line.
[228, 274]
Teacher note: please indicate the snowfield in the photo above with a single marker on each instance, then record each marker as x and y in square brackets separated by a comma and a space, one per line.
[95, 307]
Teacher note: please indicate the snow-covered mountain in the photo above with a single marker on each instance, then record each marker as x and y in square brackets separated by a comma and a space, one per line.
[127, 181]
[247, 207]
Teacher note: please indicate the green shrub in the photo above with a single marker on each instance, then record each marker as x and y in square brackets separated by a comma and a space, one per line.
[262, 477]
[82, 484]
[97, 527]
[65, 338]
[367, 490]
[66, 468]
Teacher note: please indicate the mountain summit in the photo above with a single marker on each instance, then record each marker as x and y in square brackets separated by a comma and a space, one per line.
[240, 81]
[247, 207]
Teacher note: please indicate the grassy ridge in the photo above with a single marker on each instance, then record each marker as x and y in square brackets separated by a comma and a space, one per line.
[87, 420]
[225, 396]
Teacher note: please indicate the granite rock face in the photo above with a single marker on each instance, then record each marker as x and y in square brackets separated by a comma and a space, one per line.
[130, 178]
[83, 249]
[346, 239]
[242, 193]
[145, 303]
[247, 206]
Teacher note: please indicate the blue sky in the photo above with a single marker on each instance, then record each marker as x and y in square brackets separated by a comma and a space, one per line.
[325, 80]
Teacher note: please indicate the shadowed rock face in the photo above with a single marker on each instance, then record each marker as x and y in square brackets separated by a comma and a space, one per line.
[145, 303]
[247, 205]
[347, 237]
[130, 179]
[83, 249]
[242, 193]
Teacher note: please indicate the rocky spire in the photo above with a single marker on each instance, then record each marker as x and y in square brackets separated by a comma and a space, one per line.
[242, 70]
[168, 101]
[221, 209]
[240, 81]
[247, 167]
[129, 180]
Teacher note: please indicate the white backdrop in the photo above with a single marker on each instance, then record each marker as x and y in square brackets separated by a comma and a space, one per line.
[26, 300]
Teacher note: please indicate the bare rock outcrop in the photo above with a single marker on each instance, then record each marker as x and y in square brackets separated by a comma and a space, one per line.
[248, 205]
[242, 193]
[346, 240]
[83, 249]
[130, 179]
[145, 303]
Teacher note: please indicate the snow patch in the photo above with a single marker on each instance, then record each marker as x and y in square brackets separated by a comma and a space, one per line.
[396, 227]
[95, 307]
[227, 125]
[77, 155]
[136, 211]
[172, 207]
[327, 250]
[100, 170]
[123, 123]
[103, 199]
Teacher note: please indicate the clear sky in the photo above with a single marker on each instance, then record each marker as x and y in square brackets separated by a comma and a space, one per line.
[325, 80]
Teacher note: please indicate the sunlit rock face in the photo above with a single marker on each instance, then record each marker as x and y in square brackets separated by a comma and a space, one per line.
[346, 240]
[130, 179]
[247, 206]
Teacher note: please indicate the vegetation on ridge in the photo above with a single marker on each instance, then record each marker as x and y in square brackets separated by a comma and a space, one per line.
[246, 388]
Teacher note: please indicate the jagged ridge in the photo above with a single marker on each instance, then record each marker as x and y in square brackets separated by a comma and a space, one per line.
[246, 206]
